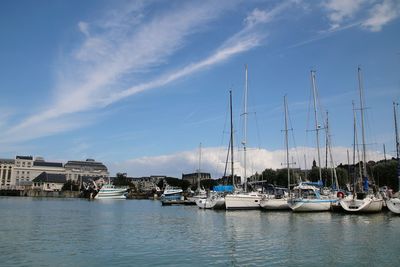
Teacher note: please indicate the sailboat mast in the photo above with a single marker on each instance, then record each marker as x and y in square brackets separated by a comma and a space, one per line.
[231, 141]
[198, 171]
[316, 122]
[362, 123]
[397, 143]
[287, 143]
[244, 142]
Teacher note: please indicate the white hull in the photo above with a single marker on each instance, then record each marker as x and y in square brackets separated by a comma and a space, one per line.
[242, 201]
[110, 192]
[215, 202]
[308, 205]
[393, 205]
[367, 205]
[274, 204]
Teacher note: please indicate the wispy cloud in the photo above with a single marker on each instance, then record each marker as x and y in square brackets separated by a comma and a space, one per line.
[381, 14]
[116, 49]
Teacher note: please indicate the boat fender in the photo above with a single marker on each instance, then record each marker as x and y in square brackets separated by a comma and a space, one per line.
[340, 194]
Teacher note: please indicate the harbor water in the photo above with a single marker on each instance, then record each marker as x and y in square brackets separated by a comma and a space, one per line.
[77, 232]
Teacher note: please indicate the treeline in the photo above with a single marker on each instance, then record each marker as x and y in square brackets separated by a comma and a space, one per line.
[383, 172]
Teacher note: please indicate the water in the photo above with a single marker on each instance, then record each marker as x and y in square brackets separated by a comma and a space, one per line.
[76, 232]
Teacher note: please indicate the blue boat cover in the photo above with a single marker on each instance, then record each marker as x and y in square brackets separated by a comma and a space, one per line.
[223, 188]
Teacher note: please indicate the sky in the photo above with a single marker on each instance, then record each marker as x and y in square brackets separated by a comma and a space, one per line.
[139, 85]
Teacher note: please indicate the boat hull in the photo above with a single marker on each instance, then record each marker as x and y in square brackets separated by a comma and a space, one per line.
[309, 205]
[366, 205]
[393, 205]
[121, 194]
[274, 204]
[211, 203]
[242, 202]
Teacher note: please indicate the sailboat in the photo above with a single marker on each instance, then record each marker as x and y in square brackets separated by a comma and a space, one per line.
[306, 196]
[243, 200]
[362, 201]
[279, 201]
[200, 193]
[393, 203]
[216, 198]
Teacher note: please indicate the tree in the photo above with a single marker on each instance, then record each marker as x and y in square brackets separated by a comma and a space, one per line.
[70, 186]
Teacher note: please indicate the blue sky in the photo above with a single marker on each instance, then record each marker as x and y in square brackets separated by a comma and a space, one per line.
[139, 84]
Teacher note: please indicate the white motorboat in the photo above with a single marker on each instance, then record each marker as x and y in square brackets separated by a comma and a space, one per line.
[172, 193]
[109, 191]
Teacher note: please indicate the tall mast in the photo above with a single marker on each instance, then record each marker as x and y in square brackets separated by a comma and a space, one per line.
[316, 122]
[287, 143]
[231, 142]
[362, 123]
[244, 142]
[397, 143]
[355, 147]
[198, 171]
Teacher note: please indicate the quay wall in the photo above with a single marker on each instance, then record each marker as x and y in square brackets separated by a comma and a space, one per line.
[39, 193]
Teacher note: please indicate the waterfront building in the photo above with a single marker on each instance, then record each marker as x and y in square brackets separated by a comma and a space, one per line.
[21, 171]
[192, 177]
[49, 182]
[27, 168]
[75, 170]
[6, 168]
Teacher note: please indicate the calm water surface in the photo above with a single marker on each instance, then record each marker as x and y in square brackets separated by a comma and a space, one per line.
[76, 232]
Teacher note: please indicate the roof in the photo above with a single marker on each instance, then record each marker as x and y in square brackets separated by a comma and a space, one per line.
[7, 161]
[50, 178]
[24, 157]
[91, 164]
[47, 164]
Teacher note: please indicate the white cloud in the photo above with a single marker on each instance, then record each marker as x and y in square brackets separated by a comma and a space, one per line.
[381, 14]
[84, 28]
[213, 161]
[342, 9]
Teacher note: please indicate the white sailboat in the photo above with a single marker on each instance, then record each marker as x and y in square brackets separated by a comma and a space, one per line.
[393, 203]
[216, 200]
[200, 192]
[244, 200]
[277, 201]
[306, 196]
[365, 200]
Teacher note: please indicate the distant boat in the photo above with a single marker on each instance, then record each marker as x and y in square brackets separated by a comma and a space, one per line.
[109, 191]
[364, 199]
[172, 193]
[393, 203]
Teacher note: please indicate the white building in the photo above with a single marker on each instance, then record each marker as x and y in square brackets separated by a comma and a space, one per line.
[22, 170]
[89, 168]
[6, 168]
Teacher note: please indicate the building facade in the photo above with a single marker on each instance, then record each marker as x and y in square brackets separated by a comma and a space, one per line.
[21, 171]
[192, 177]
[74, 170]
[6, 168]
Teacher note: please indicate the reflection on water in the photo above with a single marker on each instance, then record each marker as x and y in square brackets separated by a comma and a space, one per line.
[74, 232]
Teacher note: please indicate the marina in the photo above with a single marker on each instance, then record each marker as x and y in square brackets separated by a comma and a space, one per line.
[63, 232]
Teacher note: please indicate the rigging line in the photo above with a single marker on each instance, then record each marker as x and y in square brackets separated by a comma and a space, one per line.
[293, 137]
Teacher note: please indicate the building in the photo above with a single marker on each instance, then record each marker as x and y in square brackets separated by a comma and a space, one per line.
[192, 177]
[74, 170]
[27, 168]
[49, 181]
[6, 168]
[23, 169]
